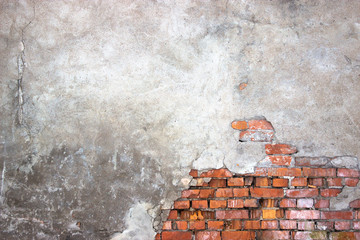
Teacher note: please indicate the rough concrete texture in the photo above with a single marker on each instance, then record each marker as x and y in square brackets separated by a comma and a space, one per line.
[107, 104]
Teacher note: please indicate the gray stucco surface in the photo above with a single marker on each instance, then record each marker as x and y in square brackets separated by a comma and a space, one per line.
[106, 105]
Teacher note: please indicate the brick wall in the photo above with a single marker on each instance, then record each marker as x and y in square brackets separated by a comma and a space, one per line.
[288, 199]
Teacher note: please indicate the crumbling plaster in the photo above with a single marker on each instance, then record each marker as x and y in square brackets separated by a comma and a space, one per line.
[106, 105]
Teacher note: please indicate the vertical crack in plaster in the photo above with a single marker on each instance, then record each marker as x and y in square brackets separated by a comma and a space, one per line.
[2, 184]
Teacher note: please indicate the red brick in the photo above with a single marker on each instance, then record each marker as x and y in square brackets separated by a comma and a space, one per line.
[260, 124]
[267, 192]
[224, 192]
[288, 203]
[217, 183]
[280, 182]
[343, 236]
[254, 224]
[305, 203]
[345, 172]
[197, 225]
[232, 214]
[199, 204]
[316, 182]
[180, 225]
[231, 235]
[299, 182]
[215, 225]
[279, 160]
[330, 192]
[311, 161]
[239, 125]
[241, 192]
[322, 203]
[279, 149]
[281, 172]
[356, 225]
[207, 235]
[355, 203]
[217, 173]
[235, 203]
[255, 213]
[318, 235]
[217, 203]
[233, 225]
[173, 214]
[302, 214]
[158, 236]
[334, 182]
[306, 226]
[182, 204]
[251, 203]
[328, 226]
[258, 172]
[192, 193]
[166, 225]
[346, 215]
[262, 182]
[351, 182]
[269, 224]
[236, 182]
[256, 136]
[287, 224]
[207, 193]
[319, 172]
[302, 193]
[194, 173]
[266, 235]
[342, 225]
[176, 235]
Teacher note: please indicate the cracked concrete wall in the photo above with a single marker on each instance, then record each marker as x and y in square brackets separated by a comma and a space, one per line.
[106, 105]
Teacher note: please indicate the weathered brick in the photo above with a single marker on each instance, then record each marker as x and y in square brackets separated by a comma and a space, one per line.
[345, 172]
[318, 182]
[322, 203]
[166, 225]
[334, 182]
[239, 125]
[306, 226]
[346, 215]
[176, 235]
[255, 213]
[182, 204]
[207, 235]
[342, 236]
[180, 225]
[288, 203]
[341, 225]
[248, 181]
[260, 124]
[173, 214]
[256, 136]
[217, 183]
[236, 182]
[311, 161]
[318, 235]
[262, 182]
[279, 149]
[328, 226]
[281, 172]
[302, 214]
[259, 171]
[231, 235]
[197, 225]
[224, 192]
[305, 203]
[233, 225]
[266, 192]
[199, 204]
[241, 192]
[269, 203]
[351, 182]
[217, 203]
[232, 214]
[287, 224]
[279, 160]
[319, 172]
[191, 193]
[330, 192]
[207, 193]
[215, 225]
[253, 224]
[235, 203]
[280, 182]
[251, 203]
[356, 225]
[299, 182]
[269, 224]
[217, 173]
[266, 235]
[302, 193]
[355, 203]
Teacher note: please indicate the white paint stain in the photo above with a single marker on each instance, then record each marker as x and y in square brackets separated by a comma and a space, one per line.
[114, 159]
[2, 183]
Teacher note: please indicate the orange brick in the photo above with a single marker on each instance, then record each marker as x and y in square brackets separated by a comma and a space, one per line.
[262, 182]
[197, 225]
[182, 204]
[176, 235]
[260, 124]
[217, 203]
[173, 214]
[199, 204]
[235, 203]
[239, 125]
[281, 172]
[181, 225]
[241, 192]
[193, 173]
[251, 203]
[236, 182]
[207, 193]
[215, 225]
[217, 173]
[288, 203]
[217, 183]
[279, 149]
[272, 213]
[254, 224]
[280, 160]
[166, 225]
[267, 192]
[280, 182]
[299, 182]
